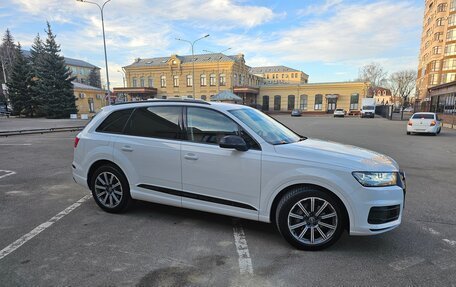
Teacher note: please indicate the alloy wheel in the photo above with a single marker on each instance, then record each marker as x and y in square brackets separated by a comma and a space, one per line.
[108, 189]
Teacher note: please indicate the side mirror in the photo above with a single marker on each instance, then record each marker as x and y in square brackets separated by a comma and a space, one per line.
[236, 142]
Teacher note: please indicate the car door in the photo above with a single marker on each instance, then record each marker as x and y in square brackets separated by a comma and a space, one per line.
[216, 179]
[149, 151]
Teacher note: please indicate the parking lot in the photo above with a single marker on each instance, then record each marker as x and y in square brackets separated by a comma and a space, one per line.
[53, 234]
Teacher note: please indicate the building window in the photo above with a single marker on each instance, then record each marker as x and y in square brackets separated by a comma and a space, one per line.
[428, 32]
[449, 64]
[303, 102]
[450, 49]
[435, 66]
[433, 79]
[176, 81]
[451, 35]
[189, 80]
[163, 81]
[291, 102]
[441, 7]
[135, 82]
[222, 79]
[203, 97]
[277, 100]
[451, 20]
[91, 105]
[318, 102]
[164, 97]
[212, 80]
[141, 81]
[446, 78]
[150, 82]
[265, 106]
[439, 22]
[453, 5]
[354, 99]
[438, 36]
[437, 50]
[203, 80]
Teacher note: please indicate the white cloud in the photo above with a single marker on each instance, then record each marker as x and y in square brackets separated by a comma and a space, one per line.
[319, 9]
[352, 32]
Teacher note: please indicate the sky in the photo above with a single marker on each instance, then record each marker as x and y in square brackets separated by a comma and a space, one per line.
[327, 39]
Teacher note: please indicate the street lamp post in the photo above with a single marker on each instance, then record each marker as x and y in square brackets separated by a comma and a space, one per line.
[123, 76]
[104, 41]
[193, 59]
[218, 67]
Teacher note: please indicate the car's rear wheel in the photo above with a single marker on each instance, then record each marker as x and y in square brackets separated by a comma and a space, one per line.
[110, 189]
[309, 219]
[408, 133]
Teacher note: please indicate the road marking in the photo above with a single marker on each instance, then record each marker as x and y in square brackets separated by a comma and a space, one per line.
[451, 242]
[245, 262]
[7, 173]
[15, 144]
[40, 228]
[406, 263]
[431, 230]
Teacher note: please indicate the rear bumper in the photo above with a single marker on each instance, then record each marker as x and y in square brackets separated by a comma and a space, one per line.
[78, 176]
[421, 129]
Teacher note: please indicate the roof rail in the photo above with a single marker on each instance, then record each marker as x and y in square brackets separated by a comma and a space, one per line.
[192, 101]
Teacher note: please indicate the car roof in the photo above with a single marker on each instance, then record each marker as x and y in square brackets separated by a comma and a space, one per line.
[177, 102]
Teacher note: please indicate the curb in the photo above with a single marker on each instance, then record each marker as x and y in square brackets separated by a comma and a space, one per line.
[39, 131]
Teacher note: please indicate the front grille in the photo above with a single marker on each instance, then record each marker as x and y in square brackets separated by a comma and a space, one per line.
[383, 214]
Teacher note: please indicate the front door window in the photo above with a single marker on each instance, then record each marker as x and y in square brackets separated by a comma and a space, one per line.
[332, 104]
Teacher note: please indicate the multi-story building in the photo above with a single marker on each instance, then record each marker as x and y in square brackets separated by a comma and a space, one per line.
[437, 61]
[275, 88]
[280, 75]
[79, 69]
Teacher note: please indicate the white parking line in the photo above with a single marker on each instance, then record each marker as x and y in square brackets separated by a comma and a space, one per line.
[40, 228]
[7, 173]
[450, 242]
[245, 262]
[15, 144]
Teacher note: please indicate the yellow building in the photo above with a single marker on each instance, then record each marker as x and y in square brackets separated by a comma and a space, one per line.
[89, 100]
[437, 62]
[317, 98]
[275, 88]
[280, 75]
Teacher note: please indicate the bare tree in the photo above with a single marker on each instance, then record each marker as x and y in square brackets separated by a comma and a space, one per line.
[373, 73]
[402, 84]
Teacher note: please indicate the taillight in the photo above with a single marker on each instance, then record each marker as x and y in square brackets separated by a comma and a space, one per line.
[432, 123]
[409, 123]
[76, 141]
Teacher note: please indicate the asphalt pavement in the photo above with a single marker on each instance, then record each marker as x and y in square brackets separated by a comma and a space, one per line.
[55, 235]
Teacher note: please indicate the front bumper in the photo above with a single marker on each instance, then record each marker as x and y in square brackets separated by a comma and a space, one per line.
[380, 208]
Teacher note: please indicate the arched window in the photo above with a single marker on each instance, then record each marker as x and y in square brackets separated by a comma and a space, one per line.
[203, 80]
[291, 102]
[163, 81]
[318, 102]
[212, 80]
[277, 100]
[176, 81]
[189, 80]
[222, 79]
[303, 102]
[265, 106]
[150, 82]
[135, 82]
[141, 81]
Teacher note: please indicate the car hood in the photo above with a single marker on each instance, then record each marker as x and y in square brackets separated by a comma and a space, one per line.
[337, 154]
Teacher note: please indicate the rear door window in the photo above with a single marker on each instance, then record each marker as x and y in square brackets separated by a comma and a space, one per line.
[115, 122]
[156, 122]
[424, 116]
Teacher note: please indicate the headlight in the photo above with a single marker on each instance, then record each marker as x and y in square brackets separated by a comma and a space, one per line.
[375, 179]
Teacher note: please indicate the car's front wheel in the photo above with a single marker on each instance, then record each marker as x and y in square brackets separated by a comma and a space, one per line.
[110, 189]
[309, 219]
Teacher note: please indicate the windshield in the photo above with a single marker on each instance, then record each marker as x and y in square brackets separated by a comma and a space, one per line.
[266, 127]
[368, 107]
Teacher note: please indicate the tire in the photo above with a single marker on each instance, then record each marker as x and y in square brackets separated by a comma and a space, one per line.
[110, 189]
[301, 236]
[408, 133]
[440, 129]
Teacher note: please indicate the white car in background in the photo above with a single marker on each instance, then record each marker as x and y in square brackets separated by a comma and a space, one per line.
[339, 113]
[424, 123]
[237, 161]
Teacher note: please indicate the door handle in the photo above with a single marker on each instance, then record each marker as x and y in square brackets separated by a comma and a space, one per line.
[126, 148]
[191, 156]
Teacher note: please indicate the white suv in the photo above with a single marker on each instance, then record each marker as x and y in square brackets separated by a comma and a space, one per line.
[235, 160]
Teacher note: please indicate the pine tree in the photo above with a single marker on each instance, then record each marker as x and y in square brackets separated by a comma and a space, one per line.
[38, 68]
[8, 52]
[54, 81]
[19, 85]
[94, 78]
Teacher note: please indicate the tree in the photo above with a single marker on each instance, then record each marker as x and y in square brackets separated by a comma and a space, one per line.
[94, 78]
[53, 83]
[402, 84]
[19, 85]
[8, 52]
[373, 73]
